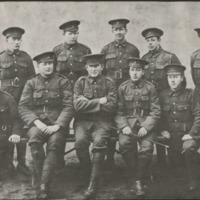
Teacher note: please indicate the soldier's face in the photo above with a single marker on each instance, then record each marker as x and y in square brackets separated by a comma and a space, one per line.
[119, 33]
[46, 68]
[94, 70]
[174, 80]
[153, 43]
[14, 43]
[71, 37]
[136, 73]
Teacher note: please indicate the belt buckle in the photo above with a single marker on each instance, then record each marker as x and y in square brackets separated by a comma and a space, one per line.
[4, 127]
[16, 82]
[118, 74]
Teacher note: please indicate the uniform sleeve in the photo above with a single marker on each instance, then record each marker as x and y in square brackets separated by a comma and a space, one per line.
[25, 105]
[110, 106]
[155, 111]
[67, 112]
[120, 118]
[84, 105]
[174, 59]
[192, 64]
[31, 66]
[12, 104]
[195, 130]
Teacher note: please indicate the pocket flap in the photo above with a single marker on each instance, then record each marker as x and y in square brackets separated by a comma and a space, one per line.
[62, 58]
[54, 95]
[111, 55]
[6, 64]
[183, 107]
[23, 64]
[3, 108]
[166, 108]
[37, 95]
[144, 98]
[128, 98]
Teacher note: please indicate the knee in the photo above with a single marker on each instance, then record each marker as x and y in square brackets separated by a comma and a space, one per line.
[125, 144]
[146, 149]
[34, 134]
[81, 142]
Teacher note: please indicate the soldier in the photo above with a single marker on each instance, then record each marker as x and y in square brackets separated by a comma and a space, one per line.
[154, 73]
[180, 121]
[68, 58]
[195, 65]
[46, 107]
[137, 114]
[16, 67]
[95, 99]
[9, 126]
[116, 54]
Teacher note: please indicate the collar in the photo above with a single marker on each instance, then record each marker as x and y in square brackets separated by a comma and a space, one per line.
[73, 46]
[177, 92]
[138, 84]
[96, 79]
[157, 52]
[8, 51]
[117, 44]
[46, 79]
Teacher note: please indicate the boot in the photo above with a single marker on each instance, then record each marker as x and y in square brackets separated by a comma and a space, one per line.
[110, 161]
[98, 158]
[22, 168]
[139, 188]
[43, 192]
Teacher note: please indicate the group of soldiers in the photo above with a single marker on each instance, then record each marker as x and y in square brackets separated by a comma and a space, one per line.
[111, 93]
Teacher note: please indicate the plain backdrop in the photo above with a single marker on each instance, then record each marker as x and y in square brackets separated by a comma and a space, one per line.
[42, 19]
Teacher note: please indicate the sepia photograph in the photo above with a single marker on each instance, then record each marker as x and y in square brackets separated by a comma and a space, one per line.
[99, 100]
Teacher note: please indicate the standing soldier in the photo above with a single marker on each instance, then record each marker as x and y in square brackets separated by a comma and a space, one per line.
[95, 99]
[16, 67]
[68, 58]
[9, 127]
[46, 107]
[180, 121]
[137, 114]
[195, 65]
[116, 54]
[154, 73]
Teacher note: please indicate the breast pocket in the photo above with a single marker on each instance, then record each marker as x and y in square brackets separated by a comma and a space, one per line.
[37, 99]
[61, 63]
[88, 94]
[128, 101]
[111, 60]
[145, 104]
[196, 63]
[55, 99]
[6, 71]
[184, 112]
[22, 69]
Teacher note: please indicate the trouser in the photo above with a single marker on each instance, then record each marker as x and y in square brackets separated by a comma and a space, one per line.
[86, 132]
[128, 146]
[45, 166]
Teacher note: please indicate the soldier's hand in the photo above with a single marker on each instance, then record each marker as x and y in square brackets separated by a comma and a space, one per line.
[127, 130]
[14, 139]
[40, 125]
[142, 132]
[103, 100]
[186, 137]
[165, 134]
[52, 129]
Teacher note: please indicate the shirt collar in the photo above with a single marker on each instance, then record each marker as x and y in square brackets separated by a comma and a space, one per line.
[117, 44]
[46, 79]
[157, 52]
[68, 46]
[96, 79]
[138, 84]
[177, 92]
[17, 52]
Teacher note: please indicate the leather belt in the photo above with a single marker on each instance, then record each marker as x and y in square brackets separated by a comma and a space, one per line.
[9, 82]
[138, 111]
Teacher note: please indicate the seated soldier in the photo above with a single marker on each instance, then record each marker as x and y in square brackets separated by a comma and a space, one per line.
[137, 114]
[95, 99]
[9, 127]
[180, 121]
[46, 106]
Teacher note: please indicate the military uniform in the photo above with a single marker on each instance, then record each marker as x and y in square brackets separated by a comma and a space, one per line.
[138, 106]
[49, 100]
[195, 65]
[8, 125]
[180, 116]
[68, 57]
[15, 69]
[93, 120]
[116, 55]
